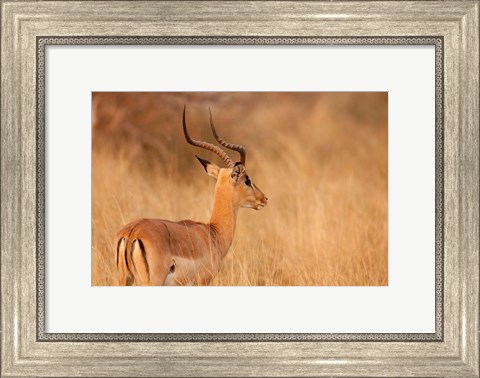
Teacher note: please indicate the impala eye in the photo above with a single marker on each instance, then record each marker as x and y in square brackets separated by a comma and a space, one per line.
[247, 181]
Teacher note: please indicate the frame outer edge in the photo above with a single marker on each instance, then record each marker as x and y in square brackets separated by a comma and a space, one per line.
[11, 227]
[10, 154]
[469, 185]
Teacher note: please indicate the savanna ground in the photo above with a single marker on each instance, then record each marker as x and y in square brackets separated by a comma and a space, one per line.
[321, 158]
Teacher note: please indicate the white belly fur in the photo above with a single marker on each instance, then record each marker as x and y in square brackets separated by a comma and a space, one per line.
[192, 272]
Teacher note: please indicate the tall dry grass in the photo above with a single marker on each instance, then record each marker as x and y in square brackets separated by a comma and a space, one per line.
[321, 158]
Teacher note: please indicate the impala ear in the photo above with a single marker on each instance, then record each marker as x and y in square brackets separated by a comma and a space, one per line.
[238, 171]
[210, 168]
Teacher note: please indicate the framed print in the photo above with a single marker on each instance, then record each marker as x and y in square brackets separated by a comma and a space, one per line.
[337, 234]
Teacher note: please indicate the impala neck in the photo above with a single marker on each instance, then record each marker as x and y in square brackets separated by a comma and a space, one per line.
[224, 216]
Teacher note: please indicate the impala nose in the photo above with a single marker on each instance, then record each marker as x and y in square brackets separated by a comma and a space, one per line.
[265, 201]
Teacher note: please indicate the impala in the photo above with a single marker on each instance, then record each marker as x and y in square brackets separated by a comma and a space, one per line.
[162, 252]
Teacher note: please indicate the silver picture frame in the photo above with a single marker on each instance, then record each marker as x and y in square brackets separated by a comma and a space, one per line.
[28, 27]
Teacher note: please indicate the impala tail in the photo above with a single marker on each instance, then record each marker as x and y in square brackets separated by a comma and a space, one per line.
[125, 276]
[132, 265]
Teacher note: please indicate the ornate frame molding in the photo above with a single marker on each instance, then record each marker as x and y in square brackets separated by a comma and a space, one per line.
[452, 25]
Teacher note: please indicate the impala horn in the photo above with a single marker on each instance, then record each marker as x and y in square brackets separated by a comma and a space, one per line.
[208, 146]
[236, 147]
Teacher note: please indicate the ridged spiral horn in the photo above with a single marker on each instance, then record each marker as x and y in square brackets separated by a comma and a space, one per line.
[208, 146]
[236, 147]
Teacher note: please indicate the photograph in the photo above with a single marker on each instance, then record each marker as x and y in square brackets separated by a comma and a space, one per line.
[240, 188]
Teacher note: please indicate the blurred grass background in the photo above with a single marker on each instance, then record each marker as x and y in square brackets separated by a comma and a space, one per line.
[321, 158]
